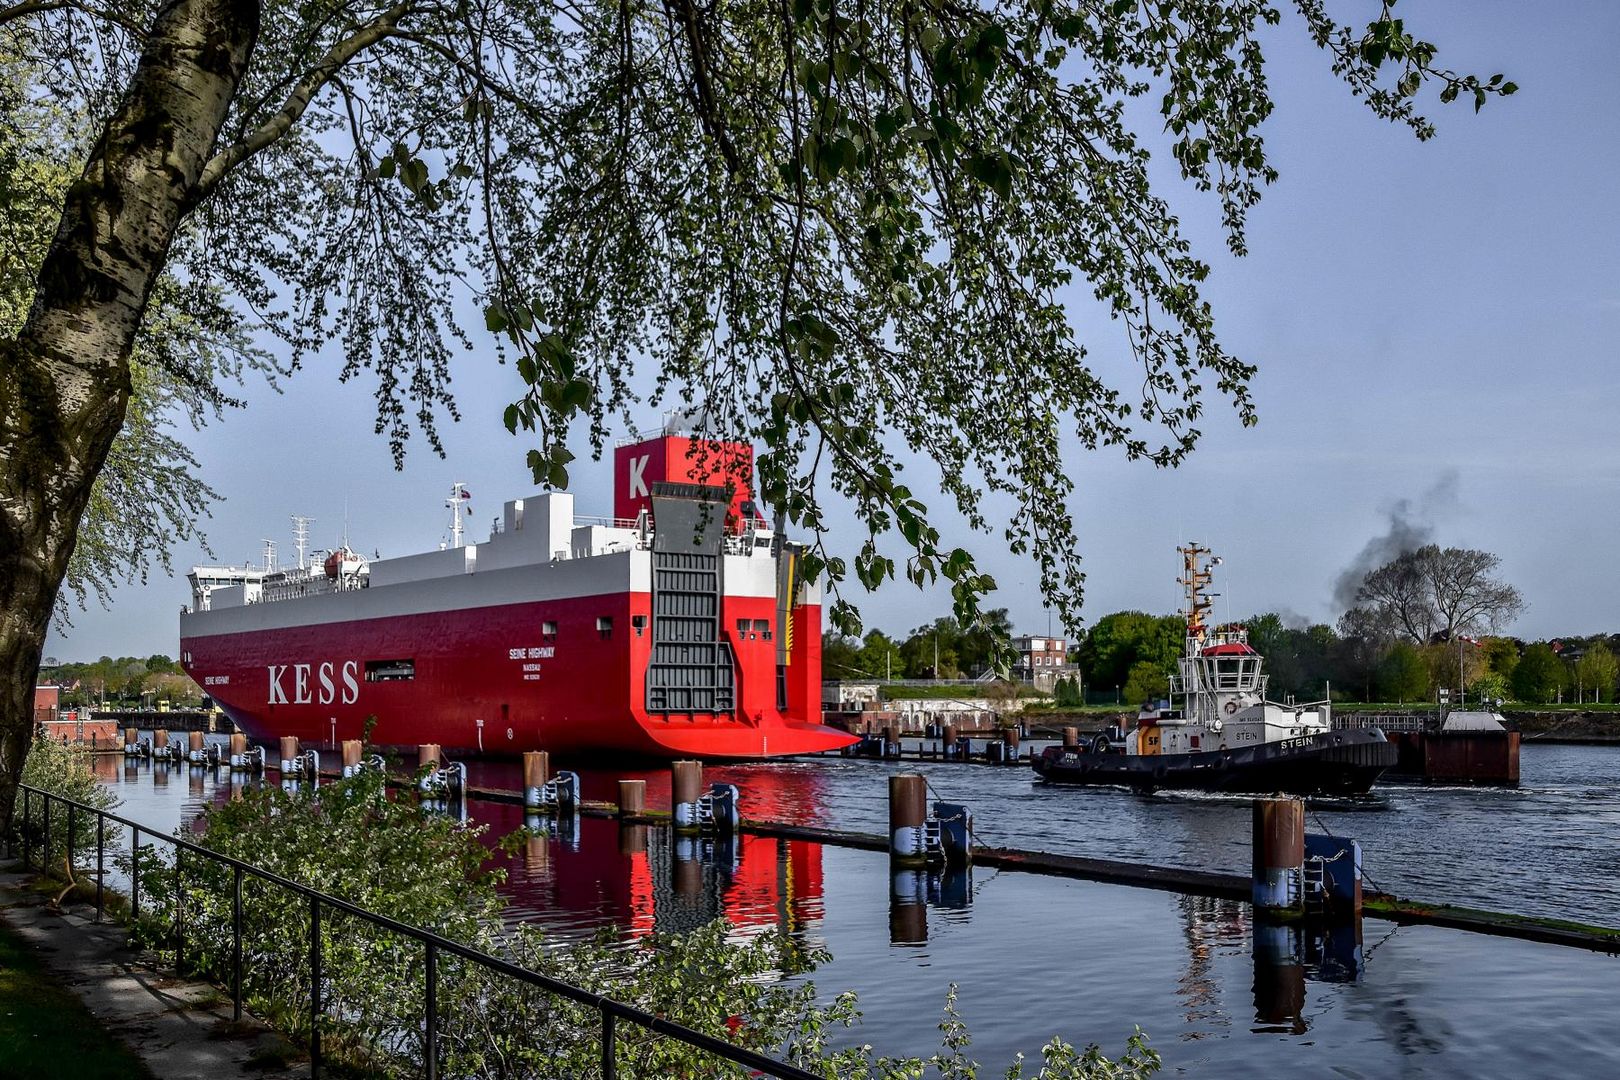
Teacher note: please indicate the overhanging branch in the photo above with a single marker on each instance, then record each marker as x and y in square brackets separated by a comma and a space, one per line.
[303, 92]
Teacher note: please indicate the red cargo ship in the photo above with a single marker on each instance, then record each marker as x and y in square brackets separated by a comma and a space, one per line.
[678, 628]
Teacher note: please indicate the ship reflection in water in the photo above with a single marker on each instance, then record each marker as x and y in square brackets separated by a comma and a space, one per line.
[580, 874]
[1033, 956]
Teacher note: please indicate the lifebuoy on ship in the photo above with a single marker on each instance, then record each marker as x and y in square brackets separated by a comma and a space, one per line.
[1231, 707]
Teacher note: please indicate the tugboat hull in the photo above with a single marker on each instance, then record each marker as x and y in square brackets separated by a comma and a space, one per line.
[1335, 763]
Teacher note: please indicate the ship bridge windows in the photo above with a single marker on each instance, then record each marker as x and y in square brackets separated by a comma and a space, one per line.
[548, 630]
[1234, 673]
[604, 626]
[390, 670]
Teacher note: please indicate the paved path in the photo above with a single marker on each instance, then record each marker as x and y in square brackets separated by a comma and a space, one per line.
[182, 1030]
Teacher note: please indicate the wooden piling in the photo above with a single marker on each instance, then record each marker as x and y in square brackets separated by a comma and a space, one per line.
[427, 754]
[1009, 742]
[289, 751]
[194, 741]
[351, 756]
[948, 738]
[160, 741]
[536, 768]
[129, 736]
[1279, 856]
[632, 798]
[238, 744]
[536, 773]
[908, 809]
[1071, 737]
[686, 786]
[891, 741]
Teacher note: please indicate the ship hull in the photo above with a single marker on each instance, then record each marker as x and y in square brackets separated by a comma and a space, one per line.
[1337, 763]
[485, 679]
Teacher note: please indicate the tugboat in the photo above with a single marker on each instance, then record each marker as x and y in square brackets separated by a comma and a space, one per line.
[1218, 732]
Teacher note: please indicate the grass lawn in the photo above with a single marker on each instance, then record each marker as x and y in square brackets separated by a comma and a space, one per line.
[46, 1032]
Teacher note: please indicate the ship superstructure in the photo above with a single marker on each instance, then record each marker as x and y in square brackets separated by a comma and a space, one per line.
[679, 627]
[1218, 699]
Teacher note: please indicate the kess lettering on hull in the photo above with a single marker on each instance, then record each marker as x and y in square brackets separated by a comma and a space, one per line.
[323, 690]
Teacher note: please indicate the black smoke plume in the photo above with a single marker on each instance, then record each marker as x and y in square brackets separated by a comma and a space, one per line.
[1411, 525]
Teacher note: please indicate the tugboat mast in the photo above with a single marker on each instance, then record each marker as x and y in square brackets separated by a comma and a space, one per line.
[1196, 578]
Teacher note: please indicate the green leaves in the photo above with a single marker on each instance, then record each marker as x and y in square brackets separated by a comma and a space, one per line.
[553, 393]
[993, 170]
[412, 173]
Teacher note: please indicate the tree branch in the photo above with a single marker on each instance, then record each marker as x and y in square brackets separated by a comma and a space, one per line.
[31, 7]
[303, 92]
[40, 7]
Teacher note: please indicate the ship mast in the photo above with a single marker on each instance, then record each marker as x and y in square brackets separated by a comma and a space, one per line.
[458, 495]
[301, 535]
[1195, 580]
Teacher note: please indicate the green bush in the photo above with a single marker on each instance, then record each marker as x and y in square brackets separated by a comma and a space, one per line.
[1146, 682]
[1539, 676]
[354, 842]
[1402, 674]
[1489, 687]
[61, 769]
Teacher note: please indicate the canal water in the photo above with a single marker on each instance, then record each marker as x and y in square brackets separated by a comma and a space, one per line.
[1035, 957]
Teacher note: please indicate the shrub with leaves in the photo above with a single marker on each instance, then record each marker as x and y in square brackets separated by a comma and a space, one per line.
[353, 842]
[62, 769]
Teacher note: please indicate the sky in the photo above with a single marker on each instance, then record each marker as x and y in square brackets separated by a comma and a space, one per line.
[1435, 327]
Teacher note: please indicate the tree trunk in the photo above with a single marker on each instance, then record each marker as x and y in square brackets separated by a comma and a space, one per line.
[64, 379]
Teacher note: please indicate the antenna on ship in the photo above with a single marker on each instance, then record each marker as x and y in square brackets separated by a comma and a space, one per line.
[301, 535]
[269, 556]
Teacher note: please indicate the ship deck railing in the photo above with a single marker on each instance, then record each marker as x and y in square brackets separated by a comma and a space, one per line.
[608, 522]
[434, 945]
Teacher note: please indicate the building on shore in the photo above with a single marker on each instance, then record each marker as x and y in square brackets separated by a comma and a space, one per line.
[1042, 661]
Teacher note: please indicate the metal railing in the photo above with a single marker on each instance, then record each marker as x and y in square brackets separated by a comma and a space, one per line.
[1386, 721]
[435, 946]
